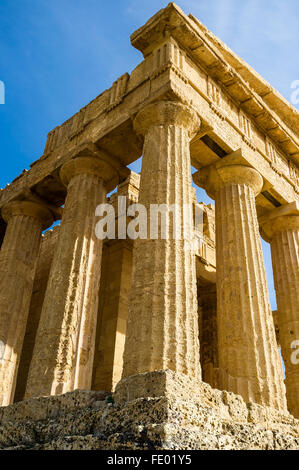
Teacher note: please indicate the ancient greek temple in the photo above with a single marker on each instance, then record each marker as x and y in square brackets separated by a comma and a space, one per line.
[152, 321]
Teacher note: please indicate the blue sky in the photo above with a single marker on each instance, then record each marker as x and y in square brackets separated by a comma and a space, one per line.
[57, 55]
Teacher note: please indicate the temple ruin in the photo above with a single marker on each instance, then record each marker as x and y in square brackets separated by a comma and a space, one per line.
[147, 343]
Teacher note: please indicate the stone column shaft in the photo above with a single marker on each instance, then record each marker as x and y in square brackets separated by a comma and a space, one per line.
[43, 266]
[18, 256]
[162, 328]
[63, 354]
[283, 234]
[249, 362]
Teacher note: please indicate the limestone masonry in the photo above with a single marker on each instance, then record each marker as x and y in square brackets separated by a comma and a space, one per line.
[142, 344]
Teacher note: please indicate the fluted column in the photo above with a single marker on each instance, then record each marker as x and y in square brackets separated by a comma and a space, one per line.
[64, 349]
[281, 229]
[249, 362]
[162, 328]
[25, 222]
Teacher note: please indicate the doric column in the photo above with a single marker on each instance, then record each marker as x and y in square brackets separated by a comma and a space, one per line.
[25, 222]
[249, 362]
[63, 353]
[115, 292]
[281, 229]
[162, 328]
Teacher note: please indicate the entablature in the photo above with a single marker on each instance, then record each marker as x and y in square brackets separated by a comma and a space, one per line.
[180, 63]
[213, 56]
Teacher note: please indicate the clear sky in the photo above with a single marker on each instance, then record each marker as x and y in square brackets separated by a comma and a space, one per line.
[57, 55]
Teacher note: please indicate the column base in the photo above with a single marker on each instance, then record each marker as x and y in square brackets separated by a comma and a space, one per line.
[172, 415]
[159, 383]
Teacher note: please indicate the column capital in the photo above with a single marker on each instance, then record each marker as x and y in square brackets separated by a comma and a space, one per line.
[167, 113]
[87, 165]
[230, 170]
[281, 219]
[87, 159]
[28, 208]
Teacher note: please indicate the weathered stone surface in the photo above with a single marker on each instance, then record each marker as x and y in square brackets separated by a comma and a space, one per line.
[63, 354]
[86, 420]
[162, 316]
[208, 332]
[45, 257]
[25, 221]
[281, 227]
[191, 101]
[114, 295]
[112, 315]
[249, 362]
